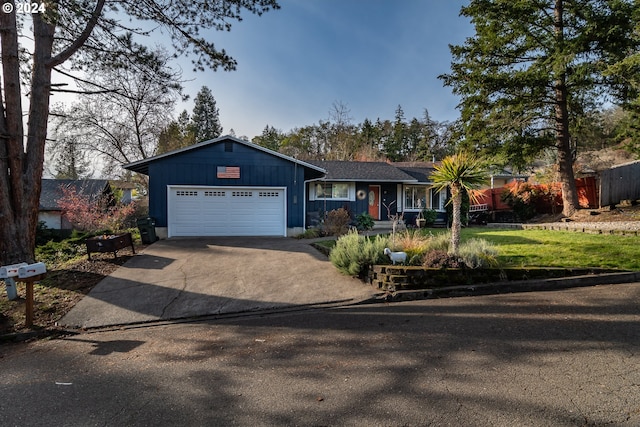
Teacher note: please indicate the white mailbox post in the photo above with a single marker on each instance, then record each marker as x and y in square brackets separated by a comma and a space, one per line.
[7, 273]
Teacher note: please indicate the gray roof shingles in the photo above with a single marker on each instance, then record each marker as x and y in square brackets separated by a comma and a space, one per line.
[419, 170]
[362, 171]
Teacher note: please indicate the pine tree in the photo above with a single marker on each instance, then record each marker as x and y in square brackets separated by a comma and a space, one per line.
[205, 120]
[70, 161]
[531, 68]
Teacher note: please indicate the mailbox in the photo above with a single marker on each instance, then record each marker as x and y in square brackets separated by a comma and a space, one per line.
[11, 270]
[7, 273]
[32, 270]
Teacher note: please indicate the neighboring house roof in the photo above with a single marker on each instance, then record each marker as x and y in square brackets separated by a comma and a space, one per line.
[142, 166]
[123, 185]
[51, 190]
[362, 171]
[505, 173]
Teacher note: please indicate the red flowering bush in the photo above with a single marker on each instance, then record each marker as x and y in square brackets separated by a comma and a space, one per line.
[526, 200]
[93, 215]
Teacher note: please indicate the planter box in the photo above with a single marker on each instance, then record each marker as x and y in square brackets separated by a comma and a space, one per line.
[109, 243]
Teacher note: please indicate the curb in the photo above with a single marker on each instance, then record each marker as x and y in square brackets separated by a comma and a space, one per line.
[497, 288]
[17, 337]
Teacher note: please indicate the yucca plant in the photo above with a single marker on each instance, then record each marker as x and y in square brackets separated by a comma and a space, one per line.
[462, 172]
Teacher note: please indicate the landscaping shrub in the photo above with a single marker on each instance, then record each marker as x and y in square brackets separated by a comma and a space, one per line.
[477, 253]
[430, 216]
[526, 200]
[55, 253]
[337, 222]
[441, 259]
[353, 253]
[92, 215]
[473, 253]
[413, 243]
[58, 252]
[310, 233]
[45, 234]
[439, 242]
[364, 221]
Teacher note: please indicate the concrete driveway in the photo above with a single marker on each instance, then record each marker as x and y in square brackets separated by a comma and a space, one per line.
[188, 277]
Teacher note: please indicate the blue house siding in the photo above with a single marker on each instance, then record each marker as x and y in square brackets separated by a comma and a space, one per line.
[388, 194]
[199, 167]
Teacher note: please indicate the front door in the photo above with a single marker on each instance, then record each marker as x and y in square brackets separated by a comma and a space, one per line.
[374, 201]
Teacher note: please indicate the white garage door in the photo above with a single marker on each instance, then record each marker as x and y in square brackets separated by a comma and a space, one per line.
[226, 211]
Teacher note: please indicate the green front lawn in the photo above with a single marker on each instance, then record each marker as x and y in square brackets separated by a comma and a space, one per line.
[544, 248]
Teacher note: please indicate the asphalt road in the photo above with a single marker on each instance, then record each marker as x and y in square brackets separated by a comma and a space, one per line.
[564, 358]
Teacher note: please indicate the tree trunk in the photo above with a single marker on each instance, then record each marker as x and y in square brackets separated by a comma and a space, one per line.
[12, 218]
[21, 173]
[570, 201]
[456, 201]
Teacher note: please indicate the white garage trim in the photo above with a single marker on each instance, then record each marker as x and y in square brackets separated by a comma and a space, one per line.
[194, 210]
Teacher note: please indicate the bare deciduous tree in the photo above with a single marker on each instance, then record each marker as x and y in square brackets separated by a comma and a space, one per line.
[76, 34]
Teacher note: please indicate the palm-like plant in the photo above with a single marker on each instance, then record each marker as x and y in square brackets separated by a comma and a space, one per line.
[460, 172]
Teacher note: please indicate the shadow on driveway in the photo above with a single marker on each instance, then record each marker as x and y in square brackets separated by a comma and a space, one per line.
[190, 277]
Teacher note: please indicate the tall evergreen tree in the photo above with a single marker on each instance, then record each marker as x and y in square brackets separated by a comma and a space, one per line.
[177, 134]
[69, 159]
[271, 138]
[530, 66]
[205, 120]
[628, 70]
[395, 148]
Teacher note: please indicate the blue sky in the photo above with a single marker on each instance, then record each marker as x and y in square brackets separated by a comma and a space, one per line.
[372, 56]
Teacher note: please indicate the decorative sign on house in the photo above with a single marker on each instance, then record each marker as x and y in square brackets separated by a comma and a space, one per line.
[231, 172]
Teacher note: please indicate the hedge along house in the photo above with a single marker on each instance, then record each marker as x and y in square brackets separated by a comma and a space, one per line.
[378, 188]
[226, 187]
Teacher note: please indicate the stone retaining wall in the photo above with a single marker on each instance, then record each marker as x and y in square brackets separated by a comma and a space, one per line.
[615, 227]
[399, 278]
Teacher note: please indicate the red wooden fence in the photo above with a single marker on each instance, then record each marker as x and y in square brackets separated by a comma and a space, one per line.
[587, 197]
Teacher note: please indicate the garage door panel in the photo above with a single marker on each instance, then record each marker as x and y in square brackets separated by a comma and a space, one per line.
[226, 211]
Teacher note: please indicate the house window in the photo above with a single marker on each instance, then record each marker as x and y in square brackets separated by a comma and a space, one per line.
[422, 197]
[332, 190]
[415, 197]
[437, 200]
